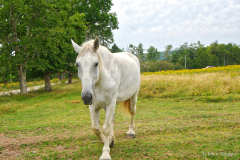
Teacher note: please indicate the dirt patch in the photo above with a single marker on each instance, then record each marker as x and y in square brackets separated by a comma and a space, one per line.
[76, 101]
[6, 141]
[6, 154]
[60, 148]
[10, 147]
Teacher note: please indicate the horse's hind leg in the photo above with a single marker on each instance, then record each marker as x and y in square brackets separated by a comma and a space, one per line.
[133, 101]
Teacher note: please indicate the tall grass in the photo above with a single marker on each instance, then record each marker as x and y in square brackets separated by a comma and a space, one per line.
[205, 84]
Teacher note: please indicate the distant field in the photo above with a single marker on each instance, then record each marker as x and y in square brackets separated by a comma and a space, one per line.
[218, 86]
[179, 116]
[232, 69]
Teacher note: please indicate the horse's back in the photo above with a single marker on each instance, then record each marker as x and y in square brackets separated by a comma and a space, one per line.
[129, 69]
[126, 54]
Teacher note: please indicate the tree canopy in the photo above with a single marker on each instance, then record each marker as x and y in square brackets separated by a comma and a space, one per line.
[116, 49]
[100, 21]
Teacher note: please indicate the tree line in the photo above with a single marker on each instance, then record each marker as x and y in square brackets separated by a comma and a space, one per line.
[186, 56]
[36, 36]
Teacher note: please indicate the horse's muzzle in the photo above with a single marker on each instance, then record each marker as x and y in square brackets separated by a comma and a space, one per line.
[87, 98]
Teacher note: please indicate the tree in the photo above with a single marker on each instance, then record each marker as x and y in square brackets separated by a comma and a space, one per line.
[57, 25]
[115, 49]
[175, 56]
[167, 52]
[140, 54]
[214, 50]
[16, 36]
[234, 57]
[185, 55]
[153, 54]
[100, 21]
[132, 49]
[204, 58]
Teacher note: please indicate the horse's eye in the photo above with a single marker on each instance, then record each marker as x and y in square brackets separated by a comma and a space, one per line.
[96, 64]
[77, 64]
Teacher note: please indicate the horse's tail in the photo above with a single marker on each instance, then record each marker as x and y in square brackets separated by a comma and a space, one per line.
[126, 105]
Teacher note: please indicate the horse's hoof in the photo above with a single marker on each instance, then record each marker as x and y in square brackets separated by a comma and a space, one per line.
[130, 136]
[105, 158]
[112, 144]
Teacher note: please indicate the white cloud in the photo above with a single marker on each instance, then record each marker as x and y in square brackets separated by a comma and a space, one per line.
[160, 23]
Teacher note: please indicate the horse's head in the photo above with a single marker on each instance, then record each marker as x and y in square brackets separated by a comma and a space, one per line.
[88, 68]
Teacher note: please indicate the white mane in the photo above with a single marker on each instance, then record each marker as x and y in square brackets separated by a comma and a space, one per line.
[89, 46]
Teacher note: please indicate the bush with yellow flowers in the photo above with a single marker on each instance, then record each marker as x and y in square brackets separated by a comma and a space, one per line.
[231, 68]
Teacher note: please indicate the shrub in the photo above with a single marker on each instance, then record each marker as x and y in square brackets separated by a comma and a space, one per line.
[178, 66]
[156, 66]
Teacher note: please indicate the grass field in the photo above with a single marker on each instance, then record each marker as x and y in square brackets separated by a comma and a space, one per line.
[190, 116]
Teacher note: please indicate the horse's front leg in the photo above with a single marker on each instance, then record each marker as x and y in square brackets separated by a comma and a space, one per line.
[108, 131]
[95, 123]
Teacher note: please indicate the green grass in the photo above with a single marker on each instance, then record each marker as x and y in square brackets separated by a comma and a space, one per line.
[56, 125]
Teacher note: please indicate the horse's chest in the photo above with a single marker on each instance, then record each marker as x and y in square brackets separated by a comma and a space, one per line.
[102, 97]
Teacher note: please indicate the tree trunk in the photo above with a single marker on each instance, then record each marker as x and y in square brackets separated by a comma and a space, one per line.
[103, 41]
[22, 78]
[59, 76]
[63, 75]
[48, 86]
[5, 82]
[70, 78]
[224, 59]
[185, 63]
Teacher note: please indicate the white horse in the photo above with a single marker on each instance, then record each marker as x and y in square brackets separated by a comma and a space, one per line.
[106, 79]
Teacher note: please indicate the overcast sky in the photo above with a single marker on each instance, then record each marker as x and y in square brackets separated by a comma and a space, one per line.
[162, 22]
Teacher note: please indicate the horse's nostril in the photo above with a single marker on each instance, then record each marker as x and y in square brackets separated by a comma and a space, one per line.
[87, 97]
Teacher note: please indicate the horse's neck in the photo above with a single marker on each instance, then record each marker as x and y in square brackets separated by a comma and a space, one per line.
[106, 59]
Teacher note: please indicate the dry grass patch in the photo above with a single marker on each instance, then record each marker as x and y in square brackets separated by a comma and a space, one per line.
[206, 84]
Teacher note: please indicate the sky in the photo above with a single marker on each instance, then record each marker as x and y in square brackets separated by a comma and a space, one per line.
[159, 23]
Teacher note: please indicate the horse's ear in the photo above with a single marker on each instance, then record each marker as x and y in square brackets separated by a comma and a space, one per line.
[76, 47]
[96, 44]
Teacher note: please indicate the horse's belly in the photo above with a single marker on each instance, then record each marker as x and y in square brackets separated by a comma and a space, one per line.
[127, 90]
[129, 81]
